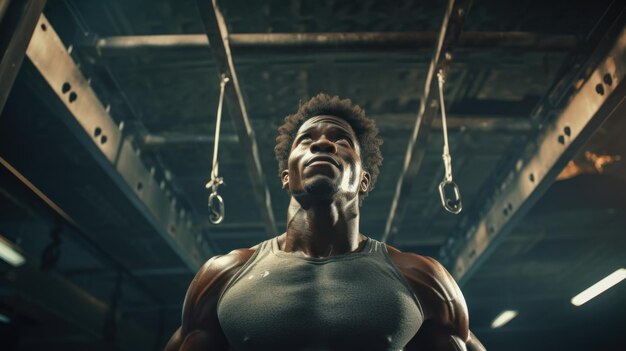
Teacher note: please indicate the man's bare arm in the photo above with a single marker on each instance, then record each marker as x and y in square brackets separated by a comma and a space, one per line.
[446, 325]
[433, 336]
[200, 329]
[473, 344]
[195, 341]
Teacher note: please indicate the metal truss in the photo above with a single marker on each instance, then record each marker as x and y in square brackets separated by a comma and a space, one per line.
[17, 23]
[405, 41]
[116, 155]
[465, 122]
[602, 96]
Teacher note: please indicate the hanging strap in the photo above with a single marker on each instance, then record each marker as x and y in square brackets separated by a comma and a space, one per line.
[448, 189]
[216, 203]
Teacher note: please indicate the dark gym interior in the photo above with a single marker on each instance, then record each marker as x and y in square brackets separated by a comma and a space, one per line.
[107, 129]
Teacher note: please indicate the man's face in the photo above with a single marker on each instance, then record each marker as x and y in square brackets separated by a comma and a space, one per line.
[325, 160]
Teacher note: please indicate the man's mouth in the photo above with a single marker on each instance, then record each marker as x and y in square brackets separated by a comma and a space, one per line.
[322, 160]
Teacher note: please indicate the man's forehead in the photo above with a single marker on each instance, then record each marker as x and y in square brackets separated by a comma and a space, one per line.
[311, 122]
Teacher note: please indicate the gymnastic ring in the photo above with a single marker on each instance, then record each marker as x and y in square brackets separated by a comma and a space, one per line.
[216, 208]
[453, 205]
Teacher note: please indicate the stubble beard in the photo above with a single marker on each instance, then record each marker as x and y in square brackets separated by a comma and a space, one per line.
[321, 187]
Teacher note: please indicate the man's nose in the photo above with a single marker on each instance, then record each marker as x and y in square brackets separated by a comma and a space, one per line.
[323, 145]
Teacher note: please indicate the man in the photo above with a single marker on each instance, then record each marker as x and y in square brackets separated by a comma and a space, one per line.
[322, 285]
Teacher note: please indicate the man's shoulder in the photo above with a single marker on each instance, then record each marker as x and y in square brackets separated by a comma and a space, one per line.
[420, 266]
[435, 288]
[223, 264]
[206, 287]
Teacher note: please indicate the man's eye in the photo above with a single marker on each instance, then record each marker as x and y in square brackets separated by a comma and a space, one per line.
[305, 138]
[343, 141]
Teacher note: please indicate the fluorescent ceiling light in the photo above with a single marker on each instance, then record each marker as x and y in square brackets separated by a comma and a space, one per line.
[10, 254]
[599, 287]
[503, 318]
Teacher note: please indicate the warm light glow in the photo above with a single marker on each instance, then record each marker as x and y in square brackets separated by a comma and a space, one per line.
[10, 254]
[599, 287]
[503, 318]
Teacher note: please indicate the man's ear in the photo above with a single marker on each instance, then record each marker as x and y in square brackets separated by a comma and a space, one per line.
[364, 185]
[284, 178]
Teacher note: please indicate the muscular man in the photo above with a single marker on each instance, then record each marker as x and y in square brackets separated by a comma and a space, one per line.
[322, 285]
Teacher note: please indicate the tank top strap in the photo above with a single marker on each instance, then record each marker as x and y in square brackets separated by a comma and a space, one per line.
[377, 247]
[373, 246]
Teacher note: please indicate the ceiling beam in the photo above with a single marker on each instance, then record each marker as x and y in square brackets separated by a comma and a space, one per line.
[448, 37]
[71, 303]
[602, 96]
[17, 23]
[151, 140]
[241, 226]
[355, 41]
[465, 123]
[217, 35]
[470, 123]
[104, 140]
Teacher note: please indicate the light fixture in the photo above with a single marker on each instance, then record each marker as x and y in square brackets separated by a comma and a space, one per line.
[4, 318]
[599, 287]
[10, 253]
[503, 318]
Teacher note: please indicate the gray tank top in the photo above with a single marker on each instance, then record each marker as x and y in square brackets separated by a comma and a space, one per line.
[286, 301]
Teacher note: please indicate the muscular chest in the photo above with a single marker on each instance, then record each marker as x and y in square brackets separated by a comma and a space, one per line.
[280, 303]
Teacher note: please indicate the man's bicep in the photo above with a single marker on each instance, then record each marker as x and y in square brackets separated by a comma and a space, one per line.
[439, 295]
[200, 328]
[195, 330]
[196, 340]
[175, 341]
[436, 337]
[473, 344]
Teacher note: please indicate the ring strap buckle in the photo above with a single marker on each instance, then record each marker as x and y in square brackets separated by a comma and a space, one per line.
[451, 203]
[216, 208]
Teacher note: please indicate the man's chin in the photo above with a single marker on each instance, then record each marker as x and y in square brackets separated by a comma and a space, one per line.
[322, 187]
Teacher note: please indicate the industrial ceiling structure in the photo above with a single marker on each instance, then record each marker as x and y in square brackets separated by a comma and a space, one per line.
[107, 132]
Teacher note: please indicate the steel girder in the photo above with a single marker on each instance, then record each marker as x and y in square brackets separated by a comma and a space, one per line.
[364, 41]
[602, 96]
[466, 123]
[17, 23]
[116, 155]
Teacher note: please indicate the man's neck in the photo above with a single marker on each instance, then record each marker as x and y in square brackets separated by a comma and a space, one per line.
[322, 229]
